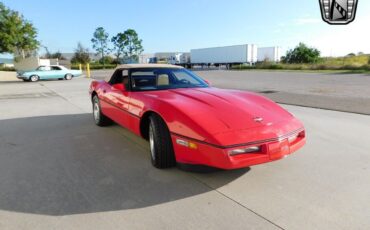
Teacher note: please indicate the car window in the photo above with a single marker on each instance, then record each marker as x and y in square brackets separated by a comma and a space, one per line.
[43, 68]
[119, 76]
[143, 79]
[184, 77]
[55, 68]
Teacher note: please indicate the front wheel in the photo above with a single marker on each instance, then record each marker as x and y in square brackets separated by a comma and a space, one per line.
[34, 78]
[161, 149]
[99, 118]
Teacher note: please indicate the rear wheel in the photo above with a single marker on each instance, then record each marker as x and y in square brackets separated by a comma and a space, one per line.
[161, 149]
[99, 118]
[34, 78]
[68, 76]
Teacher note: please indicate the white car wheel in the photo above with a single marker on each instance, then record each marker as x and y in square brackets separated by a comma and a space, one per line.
[99, 118]
[34, 78]
[151, 142]
[68, 76]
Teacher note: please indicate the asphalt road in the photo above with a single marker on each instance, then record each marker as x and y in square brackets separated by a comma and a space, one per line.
[60, 171]
[334, 91]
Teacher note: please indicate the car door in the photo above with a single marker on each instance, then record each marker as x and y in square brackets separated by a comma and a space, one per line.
[43, 72]
[56, 72]
[117, 98]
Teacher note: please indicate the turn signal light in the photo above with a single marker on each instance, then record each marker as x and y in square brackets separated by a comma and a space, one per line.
[185, 143]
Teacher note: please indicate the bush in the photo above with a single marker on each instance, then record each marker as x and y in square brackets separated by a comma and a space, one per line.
[268, 65]
[302, 54]
[7, 69]
[107, 66]
[275, 66]
[95, 66]
[242, 67]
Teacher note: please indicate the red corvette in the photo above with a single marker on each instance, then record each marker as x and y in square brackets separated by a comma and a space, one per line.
[187, 121]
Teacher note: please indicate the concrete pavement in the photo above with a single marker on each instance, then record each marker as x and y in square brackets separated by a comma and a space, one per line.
[60, 171]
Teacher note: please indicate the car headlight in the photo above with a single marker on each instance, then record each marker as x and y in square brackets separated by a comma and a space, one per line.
[253, 149]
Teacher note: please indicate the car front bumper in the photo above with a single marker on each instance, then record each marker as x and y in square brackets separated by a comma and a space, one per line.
[217, 156]
[22, 77]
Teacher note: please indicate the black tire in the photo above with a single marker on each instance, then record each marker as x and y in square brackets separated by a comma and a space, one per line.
[68, 76]
[34, 78]
[161, 148]
[26, 80]
[99, 118]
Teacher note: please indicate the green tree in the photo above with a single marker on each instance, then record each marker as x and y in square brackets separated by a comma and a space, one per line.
[100, 42]
[81, 55]
[58, 55]
[118, 45]
[17, 35]
[107, 60]
[302, 54]
[128, 44]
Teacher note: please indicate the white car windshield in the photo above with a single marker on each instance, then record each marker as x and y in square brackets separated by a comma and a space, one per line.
[164, 78]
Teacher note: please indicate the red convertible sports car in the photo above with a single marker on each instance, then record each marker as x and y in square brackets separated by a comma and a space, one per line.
[187, 121]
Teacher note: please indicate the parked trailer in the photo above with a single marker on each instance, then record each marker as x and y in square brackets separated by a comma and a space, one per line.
[269, 54]
[182, 59]
[226, 55]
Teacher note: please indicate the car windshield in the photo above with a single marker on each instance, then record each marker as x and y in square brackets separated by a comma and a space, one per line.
[164, 78]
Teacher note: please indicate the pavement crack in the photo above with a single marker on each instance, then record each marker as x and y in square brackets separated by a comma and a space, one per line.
[61, 96]
[237, 202]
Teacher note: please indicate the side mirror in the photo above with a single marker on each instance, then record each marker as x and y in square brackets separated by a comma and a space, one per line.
[119, 86]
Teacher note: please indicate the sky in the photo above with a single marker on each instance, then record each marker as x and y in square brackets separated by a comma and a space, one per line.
[174, 25]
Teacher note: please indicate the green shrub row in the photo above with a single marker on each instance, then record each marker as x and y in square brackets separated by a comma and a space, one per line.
[95, 66]
[7, 69]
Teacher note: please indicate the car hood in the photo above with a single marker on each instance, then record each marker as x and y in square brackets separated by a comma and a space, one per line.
[29, 72]
[220, 111]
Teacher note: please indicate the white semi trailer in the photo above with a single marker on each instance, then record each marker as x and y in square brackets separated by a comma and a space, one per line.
[182, 59]
[269, 54]
[226, 55]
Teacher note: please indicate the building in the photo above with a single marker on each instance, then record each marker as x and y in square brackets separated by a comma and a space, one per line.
[145, 58]
[6, 63]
